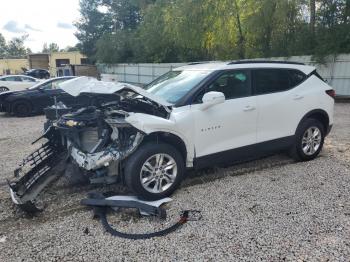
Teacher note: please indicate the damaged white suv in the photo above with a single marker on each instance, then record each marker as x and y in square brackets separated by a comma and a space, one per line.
[195, 116]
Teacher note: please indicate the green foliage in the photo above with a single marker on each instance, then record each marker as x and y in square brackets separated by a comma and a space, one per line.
[14, 48]
[116, 31]
[91, 26]
[52, 47]
[3, 46]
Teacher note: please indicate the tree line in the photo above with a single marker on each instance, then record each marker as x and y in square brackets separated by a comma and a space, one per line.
[15, 48]
[114, 31]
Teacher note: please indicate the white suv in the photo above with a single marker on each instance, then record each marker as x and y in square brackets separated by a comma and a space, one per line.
[196, 116]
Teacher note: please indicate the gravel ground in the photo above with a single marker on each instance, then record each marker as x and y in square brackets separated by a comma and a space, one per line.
[269, 209]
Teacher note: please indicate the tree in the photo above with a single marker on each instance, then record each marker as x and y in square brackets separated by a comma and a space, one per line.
[103, 17]
[70, 49]
[16, 48]
[92, 25]
[312, 4]
[52, 47]
[197, 30]
[3, 46]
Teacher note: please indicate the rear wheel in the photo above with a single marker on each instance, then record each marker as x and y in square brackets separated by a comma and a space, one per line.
[3, 89]
[309, 140]
[21, 108]
[154, 171]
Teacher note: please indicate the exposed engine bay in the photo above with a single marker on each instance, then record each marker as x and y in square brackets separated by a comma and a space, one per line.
[95, 139]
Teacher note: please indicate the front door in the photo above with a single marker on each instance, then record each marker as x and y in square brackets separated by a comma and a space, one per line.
[228, 125]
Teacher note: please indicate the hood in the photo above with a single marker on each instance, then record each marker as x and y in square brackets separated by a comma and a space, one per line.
[85, 84]
[19, 92]
[6, 93]
[3, 95]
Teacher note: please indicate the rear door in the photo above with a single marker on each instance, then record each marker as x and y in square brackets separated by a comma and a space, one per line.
[14, 83]
[279, 101]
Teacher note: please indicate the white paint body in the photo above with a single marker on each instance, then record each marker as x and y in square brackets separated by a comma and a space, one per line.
[217, 124]
[22, 83]
[243, 121]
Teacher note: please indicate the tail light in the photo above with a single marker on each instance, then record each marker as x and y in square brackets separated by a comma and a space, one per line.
[331, 93]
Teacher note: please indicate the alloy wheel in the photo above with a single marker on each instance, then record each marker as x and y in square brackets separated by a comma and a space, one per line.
[158, 173]
[311, 140]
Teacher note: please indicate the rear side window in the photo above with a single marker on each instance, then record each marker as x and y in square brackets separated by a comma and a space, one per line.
[27, 79]
[13, 78]
[296, 77]
[276, 80]
[270, 80]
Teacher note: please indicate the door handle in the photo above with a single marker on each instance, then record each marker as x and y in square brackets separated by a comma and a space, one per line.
[248, 108]
[297, 97]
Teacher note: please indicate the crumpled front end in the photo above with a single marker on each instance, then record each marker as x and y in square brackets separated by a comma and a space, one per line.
[94, 140]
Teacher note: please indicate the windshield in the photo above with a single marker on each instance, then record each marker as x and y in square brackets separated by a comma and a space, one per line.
[47, 84]
[40, 84]
[174, 85]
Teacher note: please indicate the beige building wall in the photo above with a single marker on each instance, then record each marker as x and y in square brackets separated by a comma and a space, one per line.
[61, 58]
[13, 66]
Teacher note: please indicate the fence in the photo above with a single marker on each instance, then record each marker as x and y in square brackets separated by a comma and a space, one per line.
[336, 71]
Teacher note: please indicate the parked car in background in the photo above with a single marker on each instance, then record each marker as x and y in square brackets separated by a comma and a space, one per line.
[34, 99]
[38, 73]
[16, 82]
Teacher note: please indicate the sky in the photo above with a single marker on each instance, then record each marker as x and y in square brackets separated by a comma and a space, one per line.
[49, 21]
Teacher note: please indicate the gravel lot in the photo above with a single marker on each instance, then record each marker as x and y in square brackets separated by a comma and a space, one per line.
[269, 209]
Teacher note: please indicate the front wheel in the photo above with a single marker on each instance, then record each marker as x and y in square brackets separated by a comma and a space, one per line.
[154, 171]
[309, 140]
[21, 108]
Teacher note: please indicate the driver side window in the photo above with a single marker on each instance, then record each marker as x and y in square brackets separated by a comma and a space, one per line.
[233, 84]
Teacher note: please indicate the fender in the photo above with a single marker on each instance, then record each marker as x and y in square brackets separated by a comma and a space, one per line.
[151, 124]
[320, 112]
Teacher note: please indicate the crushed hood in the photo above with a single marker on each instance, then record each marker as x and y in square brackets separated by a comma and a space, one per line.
[84, 84]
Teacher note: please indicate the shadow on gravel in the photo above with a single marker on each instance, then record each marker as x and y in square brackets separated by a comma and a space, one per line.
[5, 115]
[63, 198]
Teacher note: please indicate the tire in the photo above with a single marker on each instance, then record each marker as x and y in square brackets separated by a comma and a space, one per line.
[21, 108]
[3, 89]
[308, 147]
[169, 179]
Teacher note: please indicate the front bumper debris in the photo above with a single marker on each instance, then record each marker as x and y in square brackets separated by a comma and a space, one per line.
[36, 171]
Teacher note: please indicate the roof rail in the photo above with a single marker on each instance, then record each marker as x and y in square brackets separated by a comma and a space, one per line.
[264, 61]
[196, 63]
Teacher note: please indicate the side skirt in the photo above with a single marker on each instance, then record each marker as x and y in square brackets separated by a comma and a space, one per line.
[244, 153]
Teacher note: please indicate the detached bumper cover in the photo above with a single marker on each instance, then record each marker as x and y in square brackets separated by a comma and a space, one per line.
[35, 172]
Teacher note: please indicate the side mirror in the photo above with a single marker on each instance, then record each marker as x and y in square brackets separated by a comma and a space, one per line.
[212, 98]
